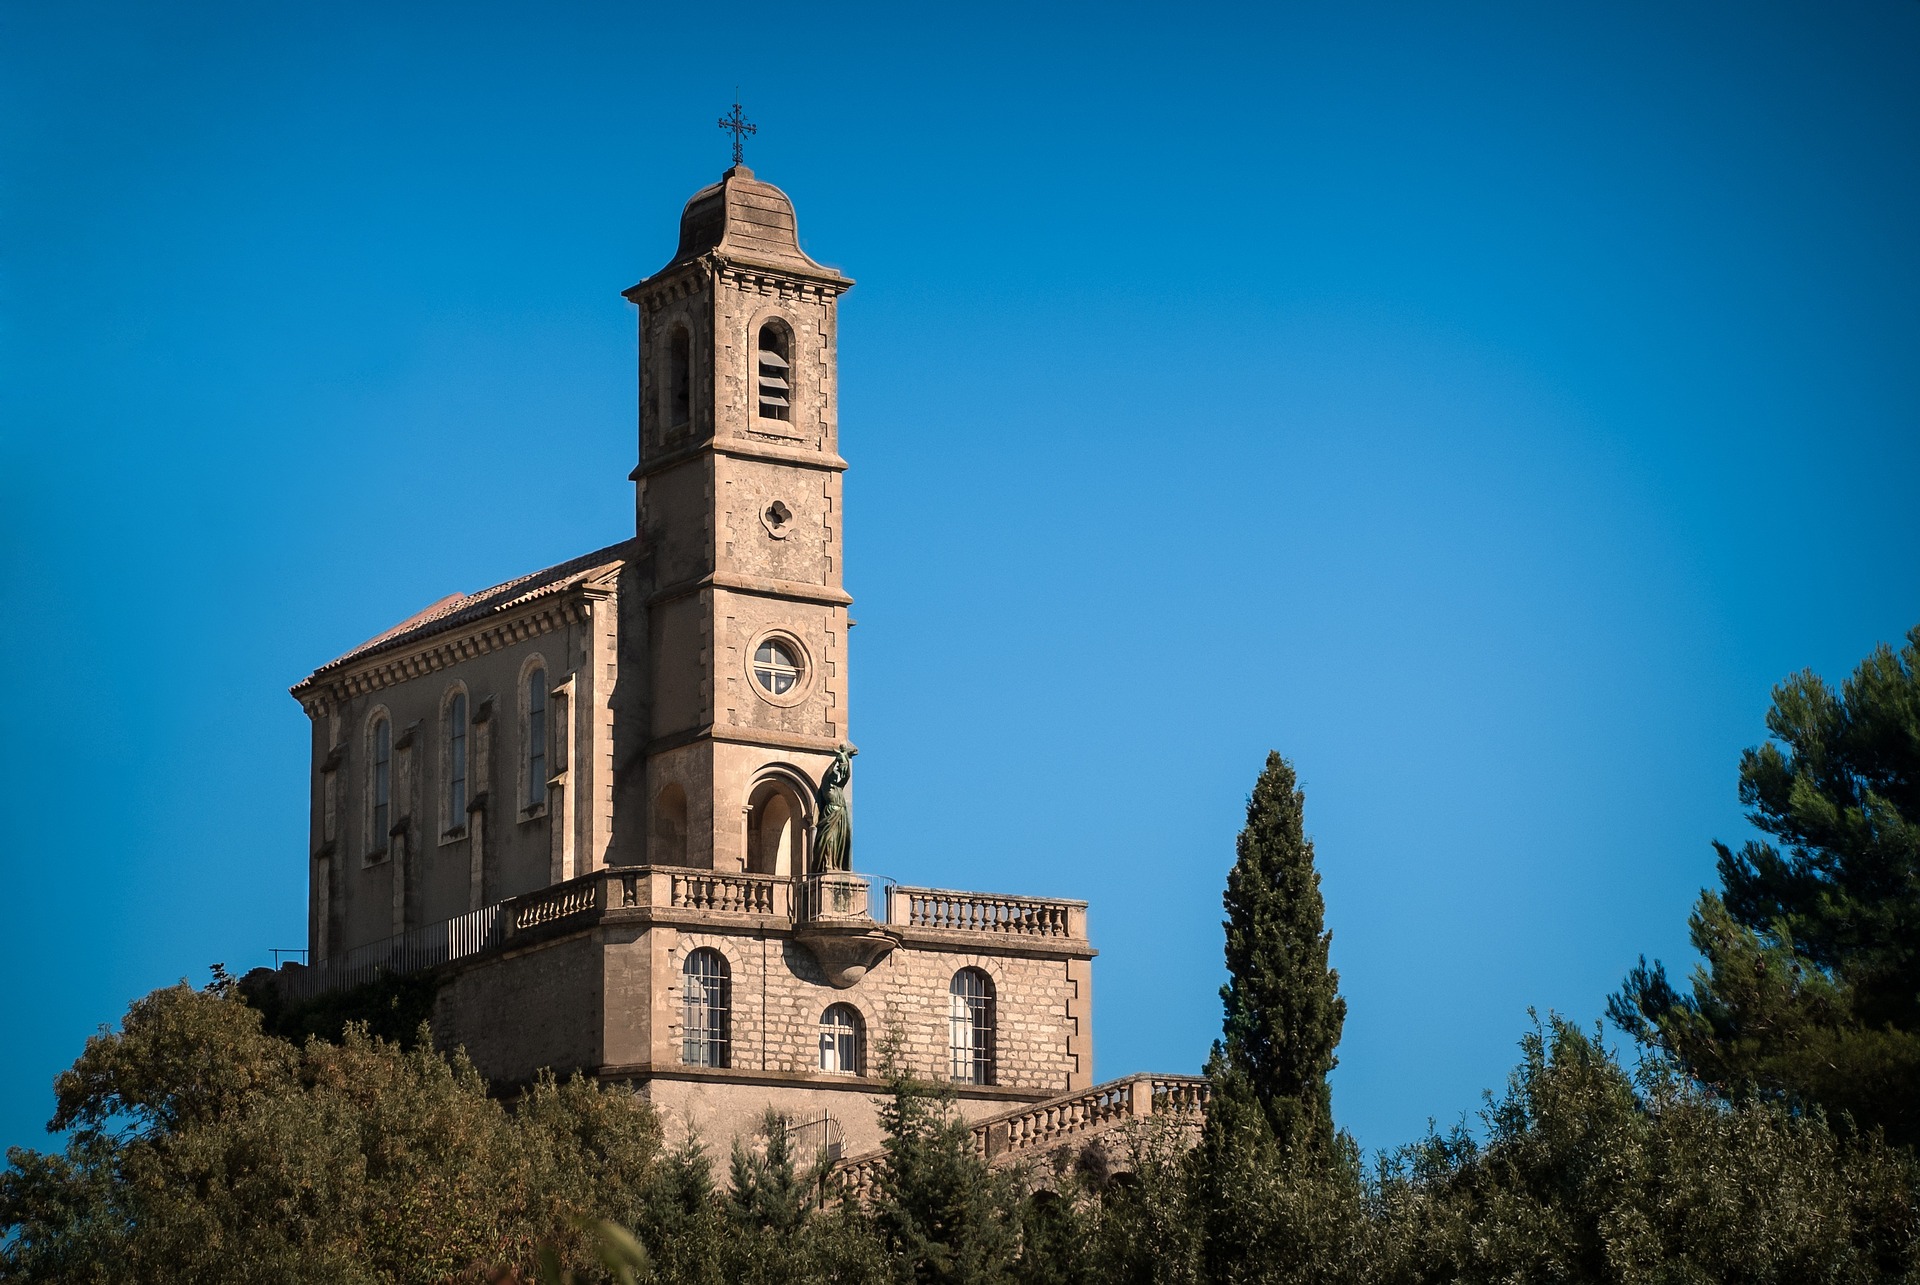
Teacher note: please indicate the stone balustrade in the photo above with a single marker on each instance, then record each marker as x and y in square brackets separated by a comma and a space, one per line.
[1180, 1094]
[1054, 1121]
[842, 896]
[551, 905]
[725, 893]
[1034, 1130]
[945, 910]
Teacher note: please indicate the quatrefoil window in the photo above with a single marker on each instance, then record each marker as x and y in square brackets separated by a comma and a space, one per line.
[777, 518]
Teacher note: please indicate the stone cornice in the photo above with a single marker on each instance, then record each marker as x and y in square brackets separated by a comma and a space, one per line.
[743, 274]
[973, 943]
[384, 669]
[802, 1079]
[764, 737]
[739, 448]
[679, 279]
[675, 281]
[759, 586]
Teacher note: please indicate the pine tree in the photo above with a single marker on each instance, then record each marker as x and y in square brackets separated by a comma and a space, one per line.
[1283, 1005]
[767, 1190]
[942, 1216]
[1810, 991]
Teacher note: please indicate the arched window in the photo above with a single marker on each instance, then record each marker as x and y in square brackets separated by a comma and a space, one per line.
[843, 1040]
[456, 762]
[679, 406]
[775, 356]
[536, 737]
[970, 1026]
[708, 1004]
[380, 785]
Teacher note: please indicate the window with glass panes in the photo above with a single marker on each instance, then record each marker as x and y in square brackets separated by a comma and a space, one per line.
[536, 737]
[776, 667]
[457, 761]
[380, 786]
[841, 1029]
[970, 1027]
[707, 1003]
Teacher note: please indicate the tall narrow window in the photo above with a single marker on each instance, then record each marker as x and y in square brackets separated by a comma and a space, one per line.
[842, 1039]
[679, 378]
[536, 738]
[970, 1026]
[457, 761]
[380, 786]
[708, 1003]
[776, 372]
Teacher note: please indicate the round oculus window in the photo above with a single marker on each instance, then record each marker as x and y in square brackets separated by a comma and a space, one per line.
[776, 667]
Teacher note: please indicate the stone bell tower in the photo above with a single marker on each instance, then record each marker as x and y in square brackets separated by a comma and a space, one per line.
[734, 619]
[580, 800]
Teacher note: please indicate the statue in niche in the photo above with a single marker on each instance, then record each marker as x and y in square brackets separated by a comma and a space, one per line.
[833, 837]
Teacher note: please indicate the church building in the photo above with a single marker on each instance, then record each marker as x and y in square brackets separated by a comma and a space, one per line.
[606, 803]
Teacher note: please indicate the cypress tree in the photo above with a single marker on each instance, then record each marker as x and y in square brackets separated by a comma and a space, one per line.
[1279, 1191]
[1283, 1005]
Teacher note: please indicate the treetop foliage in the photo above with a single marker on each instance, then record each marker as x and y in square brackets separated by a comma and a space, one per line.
[204, 1149]
[220, 1136]
[1809, 992]
[1283, 1007]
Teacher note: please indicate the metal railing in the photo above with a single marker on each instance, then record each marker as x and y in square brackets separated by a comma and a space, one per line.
[838, 895]
[413, 951]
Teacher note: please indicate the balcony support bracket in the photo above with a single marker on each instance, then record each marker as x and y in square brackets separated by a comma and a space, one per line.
[845, 949]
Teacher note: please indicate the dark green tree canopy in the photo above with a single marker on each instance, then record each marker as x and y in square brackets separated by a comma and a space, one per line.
[1810, 989]
[1283, 1007]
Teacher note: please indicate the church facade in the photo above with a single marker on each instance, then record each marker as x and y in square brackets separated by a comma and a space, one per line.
[606, 803]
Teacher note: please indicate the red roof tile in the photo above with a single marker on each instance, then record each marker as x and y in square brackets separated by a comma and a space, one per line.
[459, 609]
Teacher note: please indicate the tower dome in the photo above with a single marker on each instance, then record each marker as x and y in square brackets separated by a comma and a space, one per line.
[744, 220]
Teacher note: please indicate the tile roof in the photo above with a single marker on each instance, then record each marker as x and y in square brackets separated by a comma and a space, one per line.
[459, 609]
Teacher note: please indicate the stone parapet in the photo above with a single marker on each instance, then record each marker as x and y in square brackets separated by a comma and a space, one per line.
[930, 918]
[1026, 1132]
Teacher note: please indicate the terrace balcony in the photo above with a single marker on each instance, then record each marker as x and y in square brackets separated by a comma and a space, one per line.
[847, 920]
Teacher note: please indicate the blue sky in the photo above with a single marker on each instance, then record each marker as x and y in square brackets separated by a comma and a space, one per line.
[1482, 404]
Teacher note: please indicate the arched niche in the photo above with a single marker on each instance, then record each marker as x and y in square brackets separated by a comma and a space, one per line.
[669, 840]
[776, 827]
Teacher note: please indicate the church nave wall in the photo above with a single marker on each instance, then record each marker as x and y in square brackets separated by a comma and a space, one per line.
[426, 872]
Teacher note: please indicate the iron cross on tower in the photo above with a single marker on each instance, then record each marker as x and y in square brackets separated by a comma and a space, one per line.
[740, 127]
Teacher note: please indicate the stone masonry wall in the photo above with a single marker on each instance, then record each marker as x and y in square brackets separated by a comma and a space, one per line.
[520, 1012]
[779, 995]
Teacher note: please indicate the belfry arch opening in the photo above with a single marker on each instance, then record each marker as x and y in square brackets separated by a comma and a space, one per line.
[774, 363]
[679, 378]
[776, 823]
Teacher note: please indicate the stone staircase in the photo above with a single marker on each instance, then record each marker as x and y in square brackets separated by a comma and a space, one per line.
[1072, 1119]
